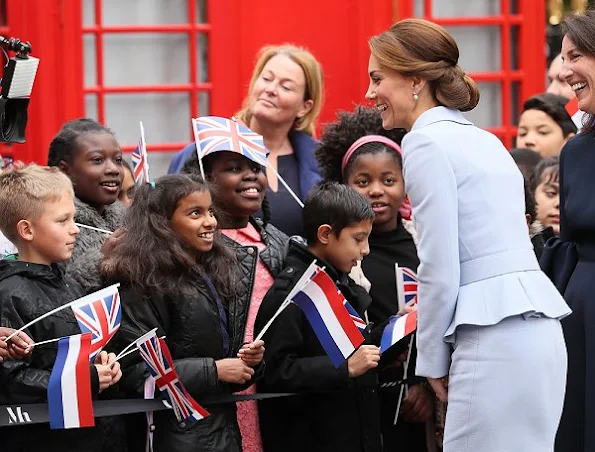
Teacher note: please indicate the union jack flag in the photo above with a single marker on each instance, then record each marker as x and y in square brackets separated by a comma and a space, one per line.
[407, 283]
[140, 164]
[215, 134]
[357, 320]
[161, 365]
[100, 314]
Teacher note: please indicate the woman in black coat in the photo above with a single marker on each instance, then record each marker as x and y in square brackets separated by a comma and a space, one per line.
[570, 259]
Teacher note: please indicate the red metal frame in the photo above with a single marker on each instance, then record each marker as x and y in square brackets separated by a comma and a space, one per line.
[531, 61]
[193, 87]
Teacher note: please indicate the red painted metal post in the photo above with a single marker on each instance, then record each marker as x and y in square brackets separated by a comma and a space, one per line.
[532, 58]
[99, 60]
[505, 66]
[192, 58]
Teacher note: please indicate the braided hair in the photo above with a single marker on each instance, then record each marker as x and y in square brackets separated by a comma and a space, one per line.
[341, 134]
[65, 144]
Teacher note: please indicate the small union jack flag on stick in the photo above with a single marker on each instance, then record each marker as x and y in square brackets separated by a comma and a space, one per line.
[407, 283]
[140, 163]
[158, 359]
[102, 329]
[100, 314]
[214, 134]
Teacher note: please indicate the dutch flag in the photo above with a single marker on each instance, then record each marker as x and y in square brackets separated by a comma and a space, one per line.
[399, 326]
[69, 390]
[323, 306]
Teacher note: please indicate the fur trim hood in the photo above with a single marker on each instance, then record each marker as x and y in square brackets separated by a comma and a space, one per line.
[83, 266]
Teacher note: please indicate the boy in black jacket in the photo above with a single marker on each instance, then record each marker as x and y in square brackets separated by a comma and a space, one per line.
[37, 215]
[338, 407]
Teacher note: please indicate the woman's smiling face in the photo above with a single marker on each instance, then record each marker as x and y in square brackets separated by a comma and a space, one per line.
[393, 95]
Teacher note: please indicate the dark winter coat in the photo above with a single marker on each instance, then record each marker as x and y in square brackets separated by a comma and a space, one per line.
[273, 257]
[195, 324]
[335, 412]
[26, 292]
[83, 265]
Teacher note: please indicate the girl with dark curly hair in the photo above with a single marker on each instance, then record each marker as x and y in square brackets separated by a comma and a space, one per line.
[357, 151]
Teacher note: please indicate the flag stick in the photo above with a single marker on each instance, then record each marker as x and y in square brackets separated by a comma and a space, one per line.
[129, 352]
[143, 153]
[34, 344]
[291, 192]
[404, 385]
[105, 231]
[196, 140]
[82, 300]
[299, 285]
[132, 344]
[270, 322]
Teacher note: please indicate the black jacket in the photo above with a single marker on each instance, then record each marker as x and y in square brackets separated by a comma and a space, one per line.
[335, 412]
[273, 257]
[197, 335]
[26, 292]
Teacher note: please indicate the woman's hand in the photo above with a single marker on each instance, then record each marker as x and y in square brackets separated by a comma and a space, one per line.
[440, 387]
[233, 370]
[252, 353]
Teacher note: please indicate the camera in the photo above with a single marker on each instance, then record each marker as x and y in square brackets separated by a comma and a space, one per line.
[15, 89]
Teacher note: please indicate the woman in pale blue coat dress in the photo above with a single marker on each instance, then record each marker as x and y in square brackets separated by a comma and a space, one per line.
[489, 336]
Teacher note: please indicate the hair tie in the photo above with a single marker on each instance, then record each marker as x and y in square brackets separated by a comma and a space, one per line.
[405, 208]
[152, 185]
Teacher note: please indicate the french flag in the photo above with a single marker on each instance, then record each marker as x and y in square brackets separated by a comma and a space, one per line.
[323, 306]
[69, 390]
[399, 326]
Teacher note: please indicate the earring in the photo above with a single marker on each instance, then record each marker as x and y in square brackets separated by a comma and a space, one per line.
[415, 96]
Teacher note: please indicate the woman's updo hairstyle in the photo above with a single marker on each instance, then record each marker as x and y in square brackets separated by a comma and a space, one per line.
[416, 47]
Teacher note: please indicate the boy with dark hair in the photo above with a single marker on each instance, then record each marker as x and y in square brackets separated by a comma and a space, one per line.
[338, 407]
[37, 215]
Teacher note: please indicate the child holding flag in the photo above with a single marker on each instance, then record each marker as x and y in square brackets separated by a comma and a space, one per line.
[37, 214]
[237, 175]
[343, 416]
[178, 277]
[89, 154]
[357, 151]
